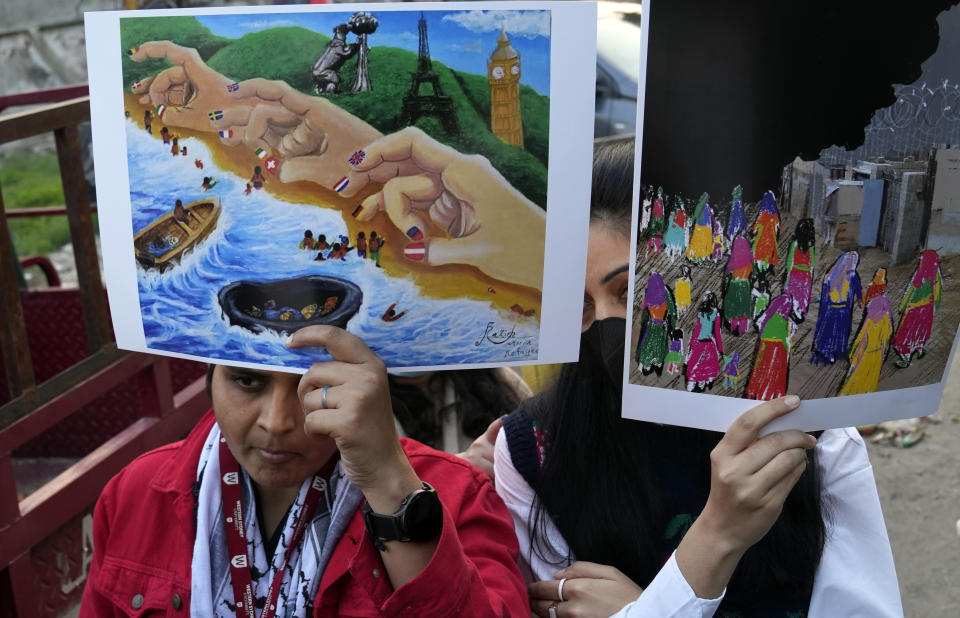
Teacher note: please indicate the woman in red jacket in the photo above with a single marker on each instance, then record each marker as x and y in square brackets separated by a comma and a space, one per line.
[294, 497]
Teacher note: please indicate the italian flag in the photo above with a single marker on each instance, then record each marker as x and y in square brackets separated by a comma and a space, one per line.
[160, 110]
[260, 152]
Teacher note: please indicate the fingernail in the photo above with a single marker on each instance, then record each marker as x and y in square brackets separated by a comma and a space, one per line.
[414, 233]
[357, 158]
[132, 50]
[792, 401]
[233, 87]
[136, 85]
[415, 251]
[356, 211]
[288, 341]
[341, 184]
[215, 115]
[271, 163]
[226, 134]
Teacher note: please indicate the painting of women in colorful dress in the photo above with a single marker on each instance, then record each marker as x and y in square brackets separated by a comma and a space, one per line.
[822, 265]
[380, 169]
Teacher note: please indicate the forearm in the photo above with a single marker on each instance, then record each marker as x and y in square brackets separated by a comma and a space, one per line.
[707, 559]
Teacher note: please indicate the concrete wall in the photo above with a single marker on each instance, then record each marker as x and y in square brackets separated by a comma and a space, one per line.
[911, 218]
[944, 235]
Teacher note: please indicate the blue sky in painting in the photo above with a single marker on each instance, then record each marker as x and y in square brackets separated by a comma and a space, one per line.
[462, 40]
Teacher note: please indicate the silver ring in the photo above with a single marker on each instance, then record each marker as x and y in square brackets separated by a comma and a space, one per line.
[323, 397]
[560, 590]
[552, 611]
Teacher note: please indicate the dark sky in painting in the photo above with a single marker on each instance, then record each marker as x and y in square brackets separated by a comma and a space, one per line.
[735, 90]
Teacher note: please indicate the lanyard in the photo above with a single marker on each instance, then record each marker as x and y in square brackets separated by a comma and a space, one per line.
[236, 534]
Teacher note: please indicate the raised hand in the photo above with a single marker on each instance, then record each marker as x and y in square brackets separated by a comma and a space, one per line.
[454, 208]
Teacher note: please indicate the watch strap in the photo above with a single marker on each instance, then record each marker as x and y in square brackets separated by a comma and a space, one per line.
[385, 528]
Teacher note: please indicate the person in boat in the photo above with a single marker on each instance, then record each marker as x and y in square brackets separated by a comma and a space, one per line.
[257, 180]
[285, 313]
[181, 213]
[208, 183]
[391, 315]
[307, 242]
[295, 493]
[329, 305]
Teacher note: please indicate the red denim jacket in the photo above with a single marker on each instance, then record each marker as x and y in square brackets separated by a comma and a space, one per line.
[144, 530]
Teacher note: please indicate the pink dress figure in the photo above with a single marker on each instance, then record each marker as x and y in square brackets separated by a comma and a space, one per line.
[657, 225]
[800, 266]
[920, 302]
[706, 346]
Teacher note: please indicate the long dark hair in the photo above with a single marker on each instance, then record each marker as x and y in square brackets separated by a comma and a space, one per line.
[617, 508]
[479, 397]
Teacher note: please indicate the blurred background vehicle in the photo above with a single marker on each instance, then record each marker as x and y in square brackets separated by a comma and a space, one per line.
[618, 67]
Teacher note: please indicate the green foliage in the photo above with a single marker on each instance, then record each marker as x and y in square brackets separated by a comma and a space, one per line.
[286, 54]
[31, 180]
[186, 31]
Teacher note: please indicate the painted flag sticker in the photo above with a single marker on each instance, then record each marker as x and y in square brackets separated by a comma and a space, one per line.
[260, 152]
[161, 109]
[341, 184]
[357, 158]
[272, 163]
[215, 115]
[227, 134]
[233, 87]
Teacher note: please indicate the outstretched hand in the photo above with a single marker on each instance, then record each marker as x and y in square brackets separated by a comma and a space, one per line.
[454, 208]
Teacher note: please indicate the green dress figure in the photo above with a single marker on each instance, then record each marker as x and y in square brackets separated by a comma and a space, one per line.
[657, 317]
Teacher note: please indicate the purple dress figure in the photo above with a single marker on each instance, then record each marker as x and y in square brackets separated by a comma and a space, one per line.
[840, 293]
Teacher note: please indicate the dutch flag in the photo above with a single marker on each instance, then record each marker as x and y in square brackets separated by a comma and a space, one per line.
[341, 184]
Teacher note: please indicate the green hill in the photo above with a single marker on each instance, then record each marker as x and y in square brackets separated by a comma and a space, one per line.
[186, 31]
[289, 54]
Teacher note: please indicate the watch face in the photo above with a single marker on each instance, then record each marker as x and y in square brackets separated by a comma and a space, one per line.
[423, 517]
[497, 72]
[515, 69]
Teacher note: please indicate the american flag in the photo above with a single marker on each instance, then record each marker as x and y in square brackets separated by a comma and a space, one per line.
[357, 158]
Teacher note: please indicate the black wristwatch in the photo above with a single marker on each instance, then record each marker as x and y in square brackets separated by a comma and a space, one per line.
[419, 518]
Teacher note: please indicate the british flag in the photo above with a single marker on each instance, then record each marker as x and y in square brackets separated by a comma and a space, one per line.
[357, 158]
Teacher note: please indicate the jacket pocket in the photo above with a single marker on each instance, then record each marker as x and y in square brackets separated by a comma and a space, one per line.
[140, 590]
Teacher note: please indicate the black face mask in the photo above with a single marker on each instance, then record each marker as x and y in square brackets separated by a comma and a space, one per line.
[603, 342]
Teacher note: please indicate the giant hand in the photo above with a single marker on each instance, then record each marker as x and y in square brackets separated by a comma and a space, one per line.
[454, 208]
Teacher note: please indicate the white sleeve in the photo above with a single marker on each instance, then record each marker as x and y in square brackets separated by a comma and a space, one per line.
[856, 576]
[519, 496]
[669, 596]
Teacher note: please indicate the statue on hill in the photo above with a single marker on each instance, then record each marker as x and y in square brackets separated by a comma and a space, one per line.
[362, 24]
[338, 51]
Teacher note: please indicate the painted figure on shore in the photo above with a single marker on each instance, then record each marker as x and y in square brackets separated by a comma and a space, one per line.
[701, 247]
[771, 362]
[760, 293]
[718, 244]
[737, 290]
[869, 348]
[657, 317]
[877, 287]
[920, 303]
[647, 207]
[706, 346]
[765, 233]
[674, 358]
[681, 290]
[678, 231]
[731, 369]
[657, 226]
[738, 219]
[800, 266]
[840, 293]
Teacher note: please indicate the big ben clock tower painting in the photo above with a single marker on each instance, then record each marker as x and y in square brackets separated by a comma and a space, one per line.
[503, 72]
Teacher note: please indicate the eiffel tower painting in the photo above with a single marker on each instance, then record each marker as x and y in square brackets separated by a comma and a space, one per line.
[426, 97]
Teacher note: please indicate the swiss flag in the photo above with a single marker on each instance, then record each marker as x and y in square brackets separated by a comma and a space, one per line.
[272, 164]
